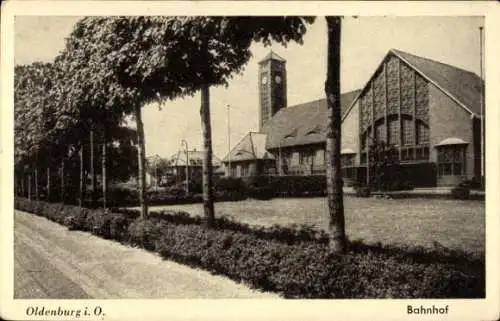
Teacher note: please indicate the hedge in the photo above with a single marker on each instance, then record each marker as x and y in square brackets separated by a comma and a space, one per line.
[125, 197]
[460, 192]
[295, 186]
[296, 270]
[285, 234]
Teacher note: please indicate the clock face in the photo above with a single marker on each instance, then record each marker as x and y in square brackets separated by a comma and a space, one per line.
[264, 80]
[277, 79]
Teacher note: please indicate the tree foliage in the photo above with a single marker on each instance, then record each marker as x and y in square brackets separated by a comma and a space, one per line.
[112, 66]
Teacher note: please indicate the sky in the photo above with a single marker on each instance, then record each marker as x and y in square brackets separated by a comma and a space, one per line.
[365, 41]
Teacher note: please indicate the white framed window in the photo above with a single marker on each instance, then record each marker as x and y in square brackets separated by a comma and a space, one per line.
[451, 160]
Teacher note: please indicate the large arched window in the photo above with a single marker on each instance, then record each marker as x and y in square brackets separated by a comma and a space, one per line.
[422, 133]
[365, 140]
[408, 135]
[380, 131]
[393, 134]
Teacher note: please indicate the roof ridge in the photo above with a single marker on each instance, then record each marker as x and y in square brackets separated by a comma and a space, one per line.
[272, 56]
[394, 50]
[321, 99]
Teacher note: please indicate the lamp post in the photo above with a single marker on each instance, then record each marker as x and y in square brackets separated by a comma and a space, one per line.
[482, 106]
[185, 145]
[156, 173]
[228, 140]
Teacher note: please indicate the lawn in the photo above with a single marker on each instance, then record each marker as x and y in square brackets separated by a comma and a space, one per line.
[451, 223]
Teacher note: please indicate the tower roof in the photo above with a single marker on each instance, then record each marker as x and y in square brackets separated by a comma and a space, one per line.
[272, 56]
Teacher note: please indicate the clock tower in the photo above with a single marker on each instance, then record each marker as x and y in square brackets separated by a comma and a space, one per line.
[272, 87]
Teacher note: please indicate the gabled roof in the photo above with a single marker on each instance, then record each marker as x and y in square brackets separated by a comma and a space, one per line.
[251, 147]
[302, 124]
[195, 158]
[461, 85]
[272, 56]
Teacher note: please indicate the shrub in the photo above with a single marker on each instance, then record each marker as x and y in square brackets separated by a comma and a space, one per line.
[363, 191]
[295, 269]
[400, 186]
[460, 192]
[474, 183]
[297, 186]
[118, 227]
[76, 221]
[146, 232]
[122, 196]
[291, 234]
[309, 270]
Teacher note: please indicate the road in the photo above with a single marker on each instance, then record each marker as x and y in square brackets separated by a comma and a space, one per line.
[52, 262]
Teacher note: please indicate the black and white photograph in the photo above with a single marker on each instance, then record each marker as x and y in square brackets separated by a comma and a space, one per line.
[326, 157]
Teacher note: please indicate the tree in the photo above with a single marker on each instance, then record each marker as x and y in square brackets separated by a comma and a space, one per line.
[158, 168]
[91, 91]
[145, 59]
[116, 60]
[336, 222]
[122, 154]
[384, 160]
[33, 115]
[216, 49]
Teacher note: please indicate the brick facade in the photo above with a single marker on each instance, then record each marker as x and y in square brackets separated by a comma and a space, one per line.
[449, 119]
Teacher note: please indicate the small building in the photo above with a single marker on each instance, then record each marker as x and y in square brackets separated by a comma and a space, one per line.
[194, 159]
[250, 157]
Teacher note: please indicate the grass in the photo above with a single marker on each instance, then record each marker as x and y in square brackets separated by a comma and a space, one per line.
[421, 222]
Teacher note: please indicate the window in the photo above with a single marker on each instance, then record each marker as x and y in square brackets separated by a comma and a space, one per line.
[380, 133]
[393, 137]
[306, 157]
[245, 170]
[422, 153]
[451, 160]
[320, 157]
[408, 136]
[422, 133]
[347, 160]
[286, 157]
[347, 163]
[363, 158]
[364, 139]
[407, 154]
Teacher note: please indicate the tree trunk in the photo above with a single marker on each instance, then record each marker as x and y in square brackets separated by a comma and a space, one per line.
[92, 169]
[208, 199]
[37, 195]
[62, 180]
[23, 194]
[48, 183]
[82, 178]
[104, 174]
[141, 154]
[29, 186]
[333, 138]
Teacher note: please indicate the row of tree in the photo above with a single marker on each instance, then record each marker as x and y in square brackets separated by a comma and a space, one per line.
[113, 66]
